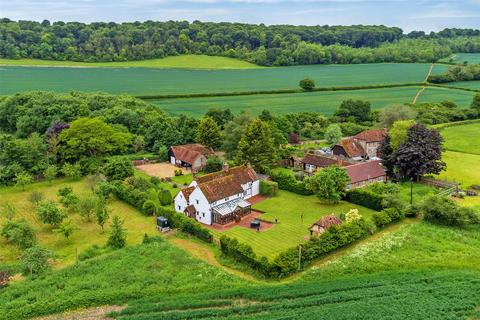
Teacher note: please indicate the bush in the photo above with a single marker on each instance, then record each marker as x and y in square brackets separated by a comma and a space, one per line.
[307, 84]
[411, 211]
[19, 233]
[365, 198]
[442, 210]
[178, 172]
[49, 213]
[214, 164]
[165, 197]
[34, 261]
[286, 181]
[381, 219]
[118, 169]
[117, 238]
[268, 188]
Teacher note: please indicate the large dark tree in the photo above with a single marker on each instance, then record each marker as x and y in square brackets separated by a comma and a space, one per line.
[421, 154]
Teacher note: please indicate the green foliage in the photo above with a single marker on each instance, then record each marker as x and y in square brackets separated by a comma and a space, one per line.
[442, 210]
[214, 164]
[268, 188]
[386, 216]
[396, 112]
[19, 233]
[118, 169]
[307, 84]
[333, 134]
[149, 207]
[8, 211]
[328, 184]
[233, 132]
[186, 224]
[34, 261]
[221, 117]
[50, 173]
[257, 146]
[65, 228]
[49, 213]
[67, 198]
[22, 179]
[87, 206]
[457, 73]
[165, 197]
[398, 132]
[286, 181]
[208, 133]
[101, 214]
[354, 111]
[117, 237]
[365, 198]
[72, 171]
[93, 138]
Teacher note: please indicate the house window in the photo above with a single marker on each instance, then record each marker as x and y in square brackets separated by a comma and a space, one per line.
[198, 201]
[179, 208]
[203, 214]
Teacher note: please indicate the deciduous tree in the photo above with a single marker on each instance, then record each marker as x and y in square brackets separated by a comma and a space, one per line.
[328, 184]
[208, 133]
[333, 134]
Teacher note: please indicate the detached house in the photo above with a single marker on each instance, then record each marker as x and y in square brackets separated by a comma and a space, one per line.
[193, 156]
[219, 197]
[364, 173]
[364, 145]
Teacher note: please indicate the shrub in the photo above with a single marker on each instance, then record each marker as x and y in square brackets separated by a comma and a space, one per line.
[49, 213]
[35, 197]
[442, 210]
[286, 181]
[178, 172]
[165, 197]
[34, 261]
[117, 238]
[72, 171]
[365, 198]
[411, 210]
[214, 164]
[19, 233]
[381, 219]
[118, 169]
[185, 224]
[268, 188]
[307, 84]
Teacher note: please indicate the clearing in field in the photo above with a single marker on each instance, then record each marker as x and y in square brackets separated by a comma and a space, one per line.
[294, 214]
[183, 61]
[151, 81]
[85, 234]
[462, 138]
[325, 102]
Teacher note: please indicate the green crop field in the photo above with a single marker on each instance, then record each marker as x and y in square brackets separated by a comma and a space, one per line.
[151, 81]
[290, 230]
[183, 61]
[465, 84]
[462, 57]
[462, 138]
[325, 102]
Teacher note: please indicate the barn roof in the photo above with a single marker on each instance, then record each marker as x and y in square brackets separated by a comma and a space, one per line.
[188, 153]
[365, 170]
[372, 135]
[352, 148]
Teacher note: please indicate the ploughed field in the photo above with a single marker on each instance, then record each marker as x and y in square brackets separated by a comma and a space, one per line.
[155, 81]
[325, 102]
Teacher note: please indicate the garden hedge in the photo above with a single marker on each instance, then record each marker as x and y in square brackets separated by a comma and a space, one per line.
[365, 198]
[286, 181]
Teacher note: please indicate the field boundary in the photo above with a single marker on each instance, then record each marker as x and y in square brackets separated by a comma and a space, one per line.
[290, 91]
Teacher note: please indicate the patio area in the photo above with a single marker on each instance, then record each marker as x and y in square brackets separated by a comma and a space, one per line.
[245, 223]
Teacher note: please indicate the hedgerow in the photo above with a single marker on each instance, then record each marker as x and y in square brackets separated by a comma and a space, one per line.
[365, 198]
[286, 181]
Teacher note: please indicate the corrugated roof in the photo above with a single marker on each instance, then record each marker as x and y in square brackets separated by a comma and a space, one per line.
[365, 170]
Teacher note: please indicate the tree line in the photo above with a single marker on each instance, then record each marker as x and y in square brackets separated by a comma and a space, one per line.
[260, 44]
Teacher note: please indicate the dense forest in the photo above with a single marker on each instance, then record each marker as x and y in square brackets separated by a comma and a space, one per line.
[260, 44]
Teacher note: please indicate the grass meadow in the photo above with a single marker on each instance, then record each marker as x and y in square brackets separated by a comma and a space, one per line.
[462, 57]
[290, 230]
[85, 233]
[183, 61]
[462, 138]
[463, 168]
[155, 81]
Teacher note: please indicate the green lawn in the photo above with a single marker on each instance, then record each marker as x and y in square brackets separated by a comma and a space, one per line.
[85, 234]
[155, 81]
[461, 167]
[183, 61]
[462, 138]
[290, 231]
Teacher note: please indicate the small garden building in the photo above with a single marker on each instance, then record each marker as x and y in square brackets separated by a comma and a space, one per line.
[192, 156]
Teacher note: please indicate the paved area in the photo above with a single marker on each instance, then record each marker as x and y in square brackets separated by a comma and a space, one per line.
[245, 223]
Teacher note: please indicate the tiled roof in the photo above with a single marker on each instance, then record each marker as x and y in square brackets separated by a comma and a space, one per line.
[220, 188]
[372, 135]
[365, 170]
[188, 153]
[326, 221]
[241, 175]
[187, 192]
[352, 148]
[323, 161]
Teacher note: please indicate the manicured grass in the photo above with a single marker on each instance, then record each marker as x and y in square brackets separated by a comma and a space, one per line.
[151, 81]
[85, 233]
[183, 179]
[324, 102]
[419, 191]
[290, 231]
[183, 61]
[462, 138]
[462, 168]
